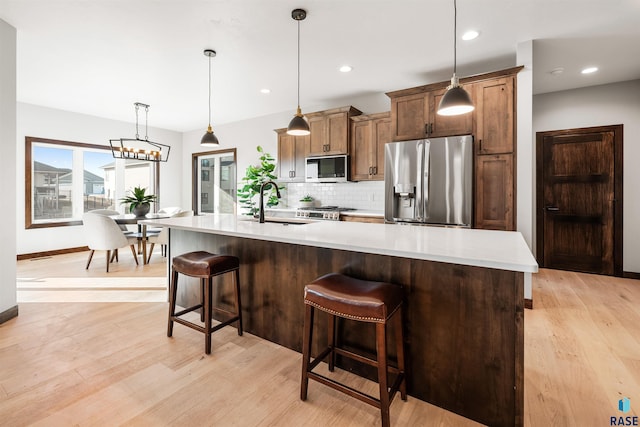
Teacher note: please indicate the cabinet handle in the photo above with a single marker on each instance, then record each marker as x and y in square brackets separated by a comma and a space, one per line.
[430, 128]
[370, 170]
[375, 170]
[479, 145]
[293, 174]
[426, 128]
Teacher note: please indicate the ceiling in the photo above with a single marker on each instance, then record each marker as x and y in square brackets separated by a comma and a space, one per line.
[99, 57]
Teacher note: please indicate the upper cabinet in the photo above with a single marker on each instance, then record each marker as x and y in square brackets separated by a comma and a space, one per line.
[330, 131]
[494, 100]
[292, 151]
[414, 116]
[369, 133]
[492, 124]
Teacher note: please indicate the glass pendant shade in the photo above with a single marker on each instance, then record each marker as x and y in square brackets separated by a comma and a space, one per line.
[209, 139]
[298, 126]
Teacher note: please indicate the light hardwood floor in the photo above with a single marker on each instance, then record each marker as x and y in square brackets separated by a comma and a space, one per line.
[112, 364]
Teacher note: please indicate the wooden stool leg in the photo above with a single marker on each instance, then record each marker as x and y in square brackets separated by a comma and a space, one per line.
[331, 335]
[400, 353]
[238, 304]
[173, 291]
[381, 349]
[202, 300]
[307, 339]
[207, 315]
[108, 259]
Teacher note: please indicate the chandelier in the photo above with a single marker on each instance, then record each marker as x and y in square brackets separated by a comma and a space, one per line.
[137, 148]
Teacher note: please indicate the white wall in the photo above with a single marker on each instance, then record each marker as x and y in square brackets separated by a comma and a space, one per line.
[8, 170]
[49, 123]
[247, 134]
[604, 105]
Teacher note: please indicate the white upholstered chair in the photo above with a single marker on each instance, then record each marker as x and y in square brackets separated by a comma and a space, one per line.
[111, 212]
[163, 237]
[103, 234]
[171, 211]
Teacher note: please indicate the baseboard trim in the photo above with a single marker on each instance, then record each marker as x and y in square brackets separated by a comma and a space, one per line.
[51, 253]
[630, 275]
[528, 303]
[9, 314]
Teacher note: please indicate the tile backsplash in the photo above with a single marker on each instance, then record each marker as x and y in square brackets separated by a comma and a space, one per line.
[368, 195]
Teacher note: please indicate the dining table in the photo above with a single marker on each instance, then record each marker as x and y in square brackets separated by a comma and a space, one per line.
[142, 234]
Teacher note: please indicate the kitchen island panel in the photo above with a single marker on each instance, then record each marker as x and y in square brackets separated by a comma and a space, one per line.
[464, 324]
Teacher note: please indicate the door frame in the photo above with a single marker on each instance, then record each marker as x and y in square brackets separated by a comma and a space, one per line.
[617, 189]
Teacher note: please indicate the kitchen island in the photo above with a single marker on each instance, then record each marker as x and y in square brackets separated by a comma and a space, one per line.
[463, 294]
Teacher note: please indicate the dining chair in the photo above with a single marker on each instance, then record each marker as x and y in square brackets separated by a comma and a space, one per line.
[111, 212]
[163, 237]
[103, 234]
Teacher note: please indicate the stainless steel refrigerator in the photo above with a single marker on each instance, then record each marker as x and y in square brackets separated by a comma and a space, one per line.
[429, 181]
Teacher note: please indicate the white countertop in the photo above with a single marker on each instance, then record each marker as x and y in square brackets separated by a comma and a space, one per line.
[505, 250]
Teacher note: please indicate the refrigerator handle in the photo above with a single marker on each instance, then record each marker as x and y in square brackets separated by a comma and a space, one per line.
[426, 164]
[419, 205]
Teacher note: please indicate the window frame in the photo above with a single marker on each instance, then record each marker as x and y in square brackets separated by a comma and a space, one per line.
[28, 168]
[195, 179]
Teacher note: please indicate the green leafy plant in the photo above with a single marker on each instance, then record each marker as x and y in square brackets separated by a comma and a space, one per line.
[137, 198]
[307, 198]
[254, 177]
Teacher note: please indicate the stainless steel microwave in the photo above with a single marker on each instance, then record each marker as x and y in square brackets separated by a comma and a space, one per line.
[327, 169]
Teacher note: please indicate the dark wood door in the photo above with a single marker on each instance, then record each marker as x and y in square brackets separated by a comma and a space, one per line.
[579, 199]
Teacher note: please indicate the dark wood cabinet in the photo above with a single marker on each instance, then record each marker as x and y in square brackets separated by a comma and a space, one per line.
[292, 151]
[495, 116]
[494, 192]
[414, 116]
[330, 131]
[369, 133]
[493, 126]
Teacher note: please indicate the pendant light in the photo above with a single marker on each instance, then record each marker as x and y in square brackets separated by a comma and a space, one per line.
[298, 125]
[138, 148]
[456, 100]
[209, 139]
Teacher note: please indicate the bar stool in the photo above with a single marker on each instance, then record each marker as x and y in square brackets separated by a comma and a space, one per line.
[205, 266]
[365, 301]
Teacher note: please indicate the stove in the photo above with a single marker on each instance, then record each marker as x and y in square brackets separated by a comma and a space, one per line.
[331, 213]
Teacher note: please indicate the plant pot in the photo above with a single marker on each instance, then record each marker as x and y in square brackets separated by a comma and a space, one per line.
[306, 204]
[141, 210]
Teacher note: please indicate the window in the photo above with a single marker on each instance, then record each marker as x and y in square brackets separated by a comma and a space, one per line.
[214, 182]
[65, 179]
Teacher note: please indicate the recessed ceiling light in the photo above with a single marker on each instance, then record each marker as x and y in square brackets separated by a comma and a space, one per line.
[556, 71]
[265, 90]
[345, 68]
[470, 35]
[589, 70]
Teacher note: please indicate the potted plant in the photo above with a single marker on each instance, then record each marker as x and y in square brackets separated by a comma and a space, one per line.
[138, 201]
[306, 201]
[253, 179]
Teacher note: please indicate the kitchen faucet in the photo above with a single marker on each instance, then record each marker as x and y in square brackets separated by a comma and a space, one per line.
[264, 184]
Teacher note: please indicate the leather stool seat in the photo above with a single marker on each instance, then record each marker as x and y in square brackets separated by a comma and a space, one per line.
[205, 266]
[352, 298]
[360, 300]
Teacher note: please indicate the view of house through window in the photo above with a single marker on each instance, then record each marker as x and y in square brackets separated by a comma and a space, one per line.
[215, 181]
[66, 179]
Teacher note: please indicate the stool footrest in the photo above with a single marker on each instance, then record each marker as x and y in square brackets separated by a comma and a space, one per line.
[320, 358]
[188, 310]
[345, 389]
[201, 328]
